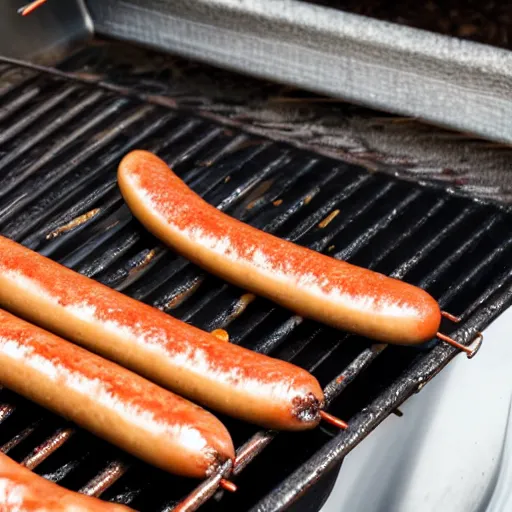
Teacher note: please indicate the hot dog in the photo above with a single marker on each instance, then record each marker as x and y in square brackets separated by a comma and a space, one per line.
[110, 401]
[195, 364]
[24, 491]
[312, 284]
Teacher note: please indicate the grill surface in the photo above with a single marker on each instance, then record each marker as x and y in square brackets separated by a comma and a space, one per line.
[60, 143]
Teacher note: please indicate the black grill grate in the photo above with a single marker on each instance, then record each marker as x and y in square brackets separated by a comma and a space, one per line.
[60, 143]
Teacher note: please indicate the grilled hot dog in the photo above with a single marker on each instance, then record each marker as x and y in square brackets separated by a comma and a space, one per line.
[110, 401]
[312, 284]
[24, 491]
[225, 377]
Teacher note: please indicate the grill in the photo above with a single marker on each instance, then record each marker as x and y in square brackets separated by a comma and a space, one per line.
[60, 142]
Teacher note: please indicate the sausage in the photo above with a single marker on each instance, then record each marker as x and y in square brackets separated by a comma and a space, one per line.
[187, 360]
[313, 285]
[24, 491]
[138, 416]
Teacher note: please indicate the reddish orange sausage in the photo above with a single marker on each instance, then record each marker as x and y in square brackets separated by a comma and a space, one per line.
[110, 401]
[312, 284]
[24, 491]
[196, 364]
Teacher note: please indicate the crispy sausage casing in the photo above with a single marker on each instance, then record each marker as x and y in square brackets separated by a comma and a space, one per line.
[24, 491]
[195, 364]
[312, 284]
[110, 401]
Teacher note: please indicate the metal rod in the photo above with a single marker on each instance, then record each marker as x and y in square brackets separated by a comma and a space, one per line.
[247, 452]
[204, 491]
[16, 440]
[5, 411]
[51, 445]
[101, 482]
[227, 485]
[470, 350]
[32, 6]
[332, 420]
[449, 316]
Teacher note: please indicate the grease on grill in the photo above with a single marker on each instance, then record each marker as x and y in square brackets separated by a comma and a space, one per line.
[221, 335]
[239, 307]
[73, 224]
[145, 261]
[258, 194]
[183, 293]
[324, 223]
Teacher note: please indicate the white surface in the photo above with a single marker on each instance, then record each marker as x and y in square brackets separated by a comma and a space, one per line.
[449, 452]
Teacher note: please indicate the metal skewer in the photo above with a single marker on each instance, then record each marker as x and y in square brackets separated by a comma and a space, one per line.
[332, 420]
[470, 350]
[449, 316]
[32, 6]
[227, 485]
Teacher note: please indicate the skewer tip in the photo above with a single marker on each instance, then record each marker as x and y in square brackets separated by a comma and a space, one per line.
[227, 485]
[449, 316]
[332, 420]
[470, 350]
[32, 6]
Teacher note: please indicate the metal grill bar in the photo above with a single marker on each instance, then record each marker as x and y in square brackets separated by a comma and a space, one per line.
[18, 438]
[35, 114]
[413, 228]
[5, 411]
[43, 451]
[16, 177]
[111, 474]
[478, 269]
[67, 207]
[21, 98]
[432, 243]
[434, 274]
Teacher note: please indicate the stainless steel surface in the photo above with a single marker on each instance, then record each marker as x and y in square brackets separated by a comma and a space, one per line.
[422, 462]
[46, 34]
[453, 83]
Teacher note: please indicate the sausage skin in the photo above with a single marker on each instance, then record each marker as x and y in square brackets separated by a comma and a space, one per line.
[24, 491]
[138, 416]
[312, 284]
[187, 360]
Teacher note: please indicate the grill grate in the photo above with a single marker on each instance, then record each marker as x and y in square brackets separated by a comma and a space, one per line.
[60, 142]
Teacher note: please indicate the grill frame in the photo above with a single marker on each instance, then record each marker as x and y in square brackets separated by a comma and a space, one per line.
[364, 60]
[427, 366]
